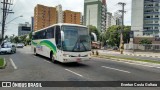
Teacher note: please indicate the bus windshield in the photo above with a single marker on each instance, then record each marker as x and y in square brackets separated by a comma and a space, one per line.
[76, 39]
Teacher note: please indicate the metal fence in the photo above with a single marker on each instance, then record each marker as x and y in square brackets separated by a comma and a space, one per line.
[142, 47]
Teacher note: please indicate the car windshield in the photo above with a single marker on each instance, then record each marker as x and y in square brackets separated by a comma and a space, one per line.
[76, 39]
[6, 46]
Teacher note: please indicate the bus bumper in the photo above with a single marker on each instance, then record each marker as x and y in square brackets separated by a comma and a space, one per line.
[75, 59]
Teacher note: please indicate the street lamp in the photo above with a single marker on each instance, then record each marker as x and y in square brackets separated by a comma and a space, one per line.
[3, 25]
[14, 19]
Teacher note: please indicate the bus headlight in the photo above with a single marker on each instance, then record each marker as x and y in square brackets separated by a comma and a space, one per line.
[66, 55]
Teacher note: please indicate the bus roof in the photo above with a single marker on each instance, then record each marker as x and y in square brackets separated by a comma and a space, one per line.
[60, 24]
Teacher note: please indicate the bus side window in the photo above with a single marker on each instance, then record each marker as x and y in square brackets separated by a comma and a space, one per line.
[50, 33]
[58, 37]
[35, 36]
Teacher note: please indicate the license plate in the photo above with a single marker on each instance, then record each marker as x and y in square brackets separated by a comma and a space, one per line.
[78, 59]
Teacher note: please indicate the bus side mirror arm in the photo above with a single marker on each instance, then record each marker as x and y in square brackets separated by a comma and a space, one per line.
[62, 35]
[95, 36]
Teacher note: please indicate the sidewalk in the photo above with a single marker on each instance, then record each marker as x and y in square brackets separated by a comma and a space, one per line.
[131, 53]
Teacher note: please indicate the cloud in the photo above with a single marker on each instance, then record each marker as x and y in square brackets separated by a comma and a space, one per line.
[26, 8]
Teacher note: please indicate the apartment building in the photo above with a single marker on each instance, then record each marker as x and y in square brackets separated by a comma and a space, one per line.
[44, 16]
[95, 14]
[59, 14]
[24, 29]
[145, 19]
[71, 17]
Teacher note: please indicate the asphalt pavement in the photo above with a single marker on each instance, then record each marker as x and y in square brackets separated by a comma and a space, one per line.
[24, 66]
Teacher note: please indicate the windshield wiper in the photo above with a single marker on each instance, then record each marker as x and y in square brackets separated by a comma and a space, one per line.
[75, 43]
[83, 45]
[78, 40]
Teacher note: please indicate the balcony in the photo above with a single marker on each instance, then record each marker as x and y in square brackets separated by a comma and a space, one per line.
[151, 12]
[149, 7]
[151, 18]
[151, 30]
[151, 1]
[152, 25]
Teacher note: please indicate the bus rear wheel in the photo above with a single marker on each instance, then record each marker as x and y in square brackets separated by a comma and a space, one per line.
[52, 58]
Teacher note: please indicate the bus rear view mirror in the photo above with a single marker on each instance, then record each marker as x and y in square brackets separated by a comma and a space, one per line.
[62, 35]
[94, 36]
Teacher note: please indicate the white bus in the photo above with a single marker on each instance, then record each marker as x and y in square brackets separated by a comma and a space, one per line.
[63, 43]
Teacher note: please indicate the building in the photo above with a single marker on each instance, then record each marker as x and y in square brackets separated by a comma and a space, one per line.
[117, 19]
[59, 14]
[71, 17]
[145, 19]
[24, 29]
[109, 20]
[113, 20]
[44, 16]
[32, 23]
[82, 20]
[95, 13]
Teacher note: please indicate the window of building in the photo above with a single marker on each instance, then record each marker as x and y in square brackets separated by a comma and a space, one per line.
[156, 28]
[156, 21]
[156, 16]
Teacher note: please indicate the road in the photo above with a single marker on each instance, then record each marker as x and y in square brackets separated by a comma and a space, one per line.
[24, 66]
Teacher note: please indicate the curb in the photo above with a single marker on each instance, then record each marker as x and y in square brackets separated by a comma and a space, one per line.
[143, 55]
[4, 64]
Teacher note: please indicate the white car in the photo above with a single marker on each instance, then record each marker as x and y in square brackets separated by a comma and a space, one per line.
[7, 48]
[20, 45]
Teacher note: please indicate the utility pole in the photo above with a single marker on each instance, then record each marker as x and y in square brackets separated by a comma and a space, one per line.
[5, 11]
[121, 33]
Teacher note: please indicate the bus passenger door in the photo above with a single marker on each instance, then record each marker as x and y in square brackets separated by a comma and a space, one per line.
[58, 43]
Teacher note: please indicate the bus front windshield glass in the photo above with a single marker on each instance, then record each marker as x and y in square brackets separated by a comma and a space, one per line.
[76, 39]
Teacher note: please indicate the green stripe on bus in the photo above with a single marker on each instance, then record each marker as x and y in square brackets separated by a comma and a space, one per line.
[49, 45]
[34, 43]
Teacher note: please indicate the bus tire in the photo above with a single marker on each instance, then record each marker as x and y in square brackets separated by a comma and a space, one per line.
[35, 52]
[52, 58]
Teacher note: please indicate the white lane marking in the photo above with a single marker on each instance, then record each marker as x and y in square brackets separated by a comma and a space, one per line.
[116, 69]
[13, 64]
[47, 61]
[138, 64]
[74, 72]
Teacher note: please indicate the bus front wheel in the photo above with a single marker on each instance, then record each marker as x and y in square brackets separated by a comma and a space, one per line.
[35, 52]
[52, 58]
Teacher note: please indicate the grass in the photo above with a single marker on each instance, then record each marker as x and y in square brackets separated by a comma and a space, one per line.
[132, 59]
[1, 62]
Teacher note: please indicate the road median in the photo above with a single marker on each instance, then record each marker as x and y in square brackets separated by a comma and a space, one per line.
[2, 63]
[127, 59]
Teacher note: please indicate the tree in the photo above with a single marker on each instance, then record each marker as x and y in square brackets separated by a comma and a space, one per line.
[30, 35]
[23, 38]
[6, 37]
[145, 41]
[94, 30]
[112, 35]
[16, 39]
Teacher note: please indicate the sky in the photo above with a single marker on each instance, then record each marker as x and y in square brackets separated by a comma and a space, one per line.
[26, 8]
